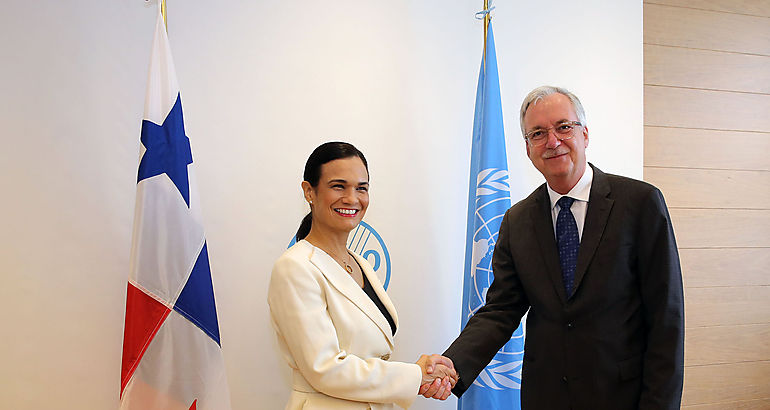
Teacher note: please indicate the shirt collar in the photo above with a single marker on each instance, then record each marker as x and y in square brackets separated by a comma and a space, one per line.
[581, 191]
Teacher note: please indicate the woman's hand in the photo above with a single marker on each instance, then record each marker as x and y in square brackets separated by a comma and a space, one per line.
[438, 376]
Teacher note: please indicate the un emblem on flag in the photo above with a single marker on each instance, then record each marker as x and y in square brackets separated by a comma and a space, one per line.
[492, 201]
[368, 244]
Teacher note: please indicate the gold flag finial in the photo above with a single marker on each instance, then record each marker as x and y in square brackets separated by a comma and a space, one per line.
[163, 12]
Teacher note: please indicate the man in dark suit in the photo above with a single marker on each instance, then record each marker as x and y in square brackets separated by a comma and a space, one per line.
[598, 272]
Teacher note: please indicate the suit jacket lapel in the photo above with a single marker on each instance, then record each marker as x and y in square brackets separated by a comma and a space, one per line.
[599, 206]
[341, 280]
[540, 215]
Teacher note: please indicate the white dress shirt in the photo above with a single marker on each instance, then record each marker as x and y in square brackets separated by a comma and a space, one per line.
[580, 192]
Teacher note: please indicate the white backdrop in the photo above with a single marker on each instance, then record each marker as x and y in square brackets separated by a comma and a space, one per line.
[262, 84]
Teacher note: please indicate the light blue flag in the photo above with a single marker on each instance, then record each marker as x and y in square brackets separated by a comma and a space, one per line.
[499, 384]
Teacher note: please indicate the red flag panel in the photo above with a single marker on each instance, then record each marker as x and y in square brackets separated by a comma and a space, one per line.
[144, 315]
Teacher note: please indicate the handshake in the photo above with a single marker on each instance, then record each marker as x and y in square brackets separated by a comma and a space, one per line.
[438, 376]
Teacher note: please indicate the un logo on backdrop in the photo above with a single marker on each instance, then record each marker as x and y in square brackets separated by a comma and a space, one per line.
[367, 243]
[492, 200]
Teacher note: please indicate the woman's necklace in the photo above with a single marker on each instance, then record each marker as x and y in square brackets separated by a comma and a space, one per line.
[345, 263]
[347, 266]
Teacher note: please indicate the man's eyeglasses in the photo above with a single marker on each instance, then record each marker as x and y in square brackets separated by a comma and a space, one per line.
[564, 131]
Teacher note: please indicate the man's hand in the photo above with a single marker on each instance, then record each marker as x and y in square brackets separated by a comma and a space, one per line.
[438, 376]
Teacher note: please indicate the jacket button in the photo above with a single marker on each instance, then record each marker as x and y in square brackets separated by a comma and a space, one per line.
[564, 379]
[385, 357]
[569, 326]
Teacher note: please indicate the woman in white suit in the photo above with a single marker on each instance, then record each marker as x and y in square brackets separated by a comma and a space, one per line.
[335, 323]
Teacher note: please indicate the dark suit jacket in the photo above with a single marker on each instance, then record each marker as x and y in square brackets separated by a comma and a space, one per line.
[618, 341]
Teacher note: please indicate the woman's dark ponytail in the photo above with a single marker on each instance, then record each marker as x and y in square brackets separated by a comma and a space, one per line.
[325, 152]
[304, 226]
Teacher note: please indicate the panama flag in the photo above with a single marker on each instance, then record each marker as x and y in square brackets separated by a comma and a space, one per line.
[499, 384]
[171, 351]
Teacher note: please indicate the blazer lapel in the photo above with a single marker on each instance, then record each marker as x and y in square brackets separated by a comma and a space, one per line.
[540, 215]
[371, 275]
[341, 280]
[599, 206]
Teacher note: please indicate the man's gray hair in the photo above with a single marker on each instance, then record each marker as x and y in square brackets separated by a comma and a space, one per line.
[541, 92]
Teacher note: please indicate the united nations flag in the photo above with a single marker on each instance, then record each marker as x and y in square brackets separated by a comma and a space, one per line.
[498, 386]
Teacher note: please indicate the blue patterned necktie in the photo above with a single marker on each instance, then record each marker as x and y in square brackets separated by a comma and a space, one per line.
[568, 241]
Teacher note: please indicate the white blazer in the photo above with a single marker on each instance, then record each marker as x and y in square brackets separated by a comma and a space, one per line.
[334, 337]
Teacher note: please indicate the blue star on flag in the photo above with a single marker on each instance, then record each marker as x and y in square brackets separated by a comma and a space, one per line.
[168, 150]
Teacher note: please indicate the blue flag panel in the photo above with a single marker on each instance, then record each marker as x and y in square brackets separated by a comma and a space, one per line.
[196, 302]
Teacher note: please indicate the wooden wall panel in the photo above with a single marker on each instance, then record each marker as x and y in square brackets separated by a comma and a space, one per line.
[714, 70]
[707, 30]
[726, 382]
[759, 404]
[726, 344]
[688, 108]
[714, 228]
[750, 7]
[708, 188]
[707, 136]
[698, 148]
[725, 267]
[726, 306]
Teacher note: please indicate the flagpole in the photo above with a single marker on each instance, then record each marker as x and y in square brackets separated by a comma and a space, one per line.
[165, 20]
[486, 26]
